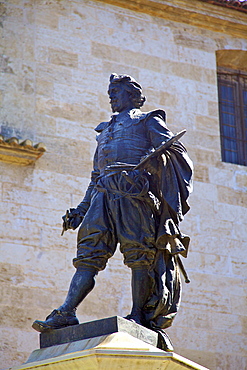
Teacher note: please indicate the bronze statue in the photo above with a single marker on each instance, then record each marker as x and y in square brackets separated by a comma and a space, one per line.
[136, 203]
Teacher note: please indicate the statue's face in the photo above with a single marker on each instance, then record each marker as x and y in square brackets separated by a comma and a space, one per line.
[119, 97]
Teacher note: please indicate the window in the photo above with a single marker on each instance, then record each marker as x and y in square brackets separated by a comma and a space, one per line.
[232, 87]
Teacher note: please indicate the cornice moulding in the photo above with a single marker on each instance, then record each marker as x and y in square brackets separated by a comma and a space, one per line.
[22, 153]
[193, 12]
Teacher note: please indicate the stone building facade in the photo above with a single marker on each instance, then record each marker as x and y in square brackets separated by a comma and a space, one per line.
[56, 58]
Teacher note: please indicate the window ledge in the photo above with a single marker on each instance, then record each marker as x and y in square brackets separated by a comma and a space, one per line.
[23, 153]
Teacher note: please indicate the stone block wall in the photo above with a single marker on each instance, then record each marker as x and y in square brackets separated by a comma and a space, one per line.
[56, 58]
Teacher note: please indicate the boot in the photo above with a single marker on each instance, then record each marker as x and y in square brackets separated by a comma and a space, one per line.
[56, 320]
[140, 292]
[81, 284]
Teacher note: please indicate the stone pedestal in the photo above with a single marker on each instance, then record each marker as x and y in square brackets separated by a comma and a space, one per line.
[98, 328]
[115, 343]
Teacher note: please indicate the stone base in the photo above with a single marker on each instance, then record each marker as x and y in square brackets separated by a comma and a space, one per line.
[128, 346]
[116, 351]
[98, 328]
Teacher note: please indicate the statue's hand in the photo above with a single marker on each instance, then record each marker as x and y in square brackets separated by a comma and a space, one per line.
[71, 220]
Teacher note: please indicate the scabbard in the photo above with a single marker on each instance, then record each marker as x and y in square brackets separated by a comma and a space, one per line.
[182, 269]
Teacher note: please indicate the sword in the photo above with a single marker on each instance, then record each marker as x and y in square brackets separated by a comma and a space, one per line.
[65, 220]
[160, 150]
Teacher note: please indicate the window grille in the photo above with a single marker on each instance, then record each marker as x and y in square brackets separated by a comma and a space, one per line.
[232, 88]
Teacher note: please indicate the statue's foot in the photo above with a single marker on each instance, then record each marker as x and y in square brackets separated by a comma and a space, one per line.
[135, 318]
[56, 320]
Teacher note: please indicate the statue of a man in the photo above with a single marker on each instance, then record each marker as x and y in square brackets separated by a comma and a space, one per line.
[138, 208]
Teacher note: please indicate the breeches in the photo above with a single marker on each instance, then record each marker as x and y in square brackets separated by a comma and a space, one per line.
[113, 219]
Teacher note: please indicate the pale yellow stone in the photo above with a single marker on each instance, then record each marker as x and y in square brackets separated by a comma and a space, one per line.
[29, 13]
[213, 109]
[209, 262]
[239, 266]
[210, 19]
[11, 37]
[191, 39]
[119, 55]
[231, 361]
[203, 357]
[108, 352]
[53, 73]
[201, 173]
[193, 72]
[56, 60]
[241, 180]
[62, 57]
[43, 87]
[205, 141]
[235, 59]
[205, 156]
[45, 18]
[14, 14]
[72, 112]
[208, 124]
[228, 195]
[167, 99]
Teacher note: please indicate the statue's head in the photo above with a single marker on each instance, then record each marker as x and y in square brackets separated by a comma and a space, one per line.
[125, 92]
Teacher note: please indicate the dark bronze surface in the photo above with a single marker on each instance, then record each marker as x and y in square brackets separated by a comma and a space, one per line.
[140, 184]
[98, 328]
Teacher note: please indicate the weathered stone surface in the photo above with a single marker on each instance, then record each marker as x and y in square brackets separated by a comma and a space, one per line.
[56, 58]
[98, 328]
[241, 180]
[231, 196]
[62, 57]
[201, 174]
[108, 352]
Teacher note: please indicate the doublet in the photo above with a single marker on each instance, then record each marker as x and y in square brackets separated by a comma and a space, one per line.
[118, 212]
[129, 136]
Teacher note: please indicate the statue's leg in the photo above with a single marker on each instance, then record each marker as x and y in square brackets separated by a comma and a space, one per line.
[140, 284]
[96, 243]
[81, 284]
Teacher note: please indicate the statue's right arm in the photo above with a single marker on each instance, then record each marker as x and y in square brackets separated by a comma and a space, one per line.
[74, 216]
[85, 203]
